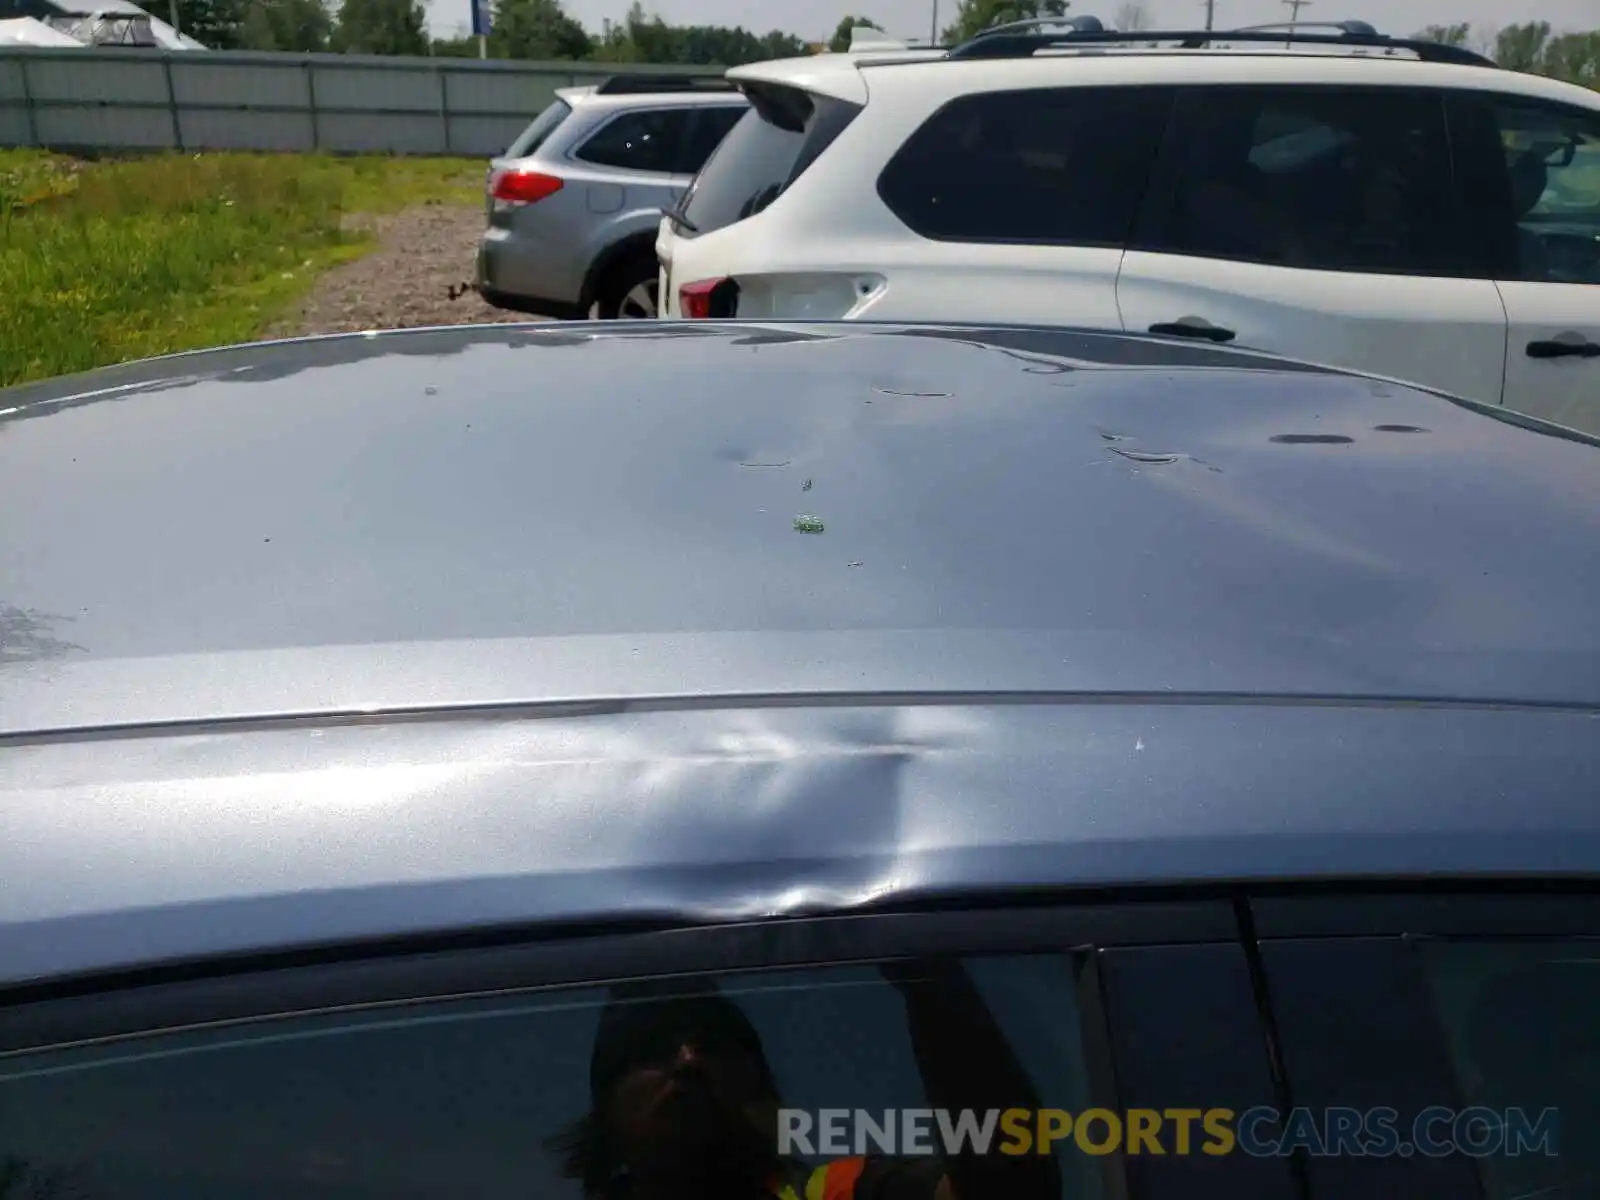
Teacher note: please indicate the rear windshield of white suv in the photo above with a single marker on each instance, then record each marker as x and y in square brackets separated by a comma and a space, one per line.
[535, 135]
[780, 136]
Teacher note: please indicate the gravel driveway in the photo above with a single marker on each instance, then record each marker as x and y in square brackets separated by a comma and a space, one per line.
[421, 274]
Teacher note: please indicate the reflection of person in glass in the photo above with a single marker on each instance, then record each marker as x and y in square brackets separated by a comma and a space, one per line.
[685, 1107]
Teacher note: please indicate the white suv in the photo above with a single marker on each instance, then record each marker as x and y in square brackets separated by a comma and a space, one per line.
[1396, 207]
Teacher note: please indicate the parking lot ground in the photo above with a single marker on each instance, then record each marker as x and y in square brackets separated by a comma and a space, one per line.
[420, 274]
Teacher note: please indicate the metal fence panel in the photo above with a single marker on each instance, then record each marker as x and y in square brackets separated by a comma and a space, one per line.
[413, 89]
[97, 78]
[221, 129]
[14, 127]
[11, 83]
[114, 98]
[198, 82]
[524, 93]
[389, 133]
[484, 137]
[103, 127]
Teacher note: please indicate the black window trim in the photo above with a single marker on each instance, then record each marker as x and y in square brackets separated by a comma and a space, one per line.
[1266, 1015]
[1513, 909]
[574, 153]
[124, 1004]
[1312, 1175]
[33, 1019]
[1124, 1177]
[1100, 1058]
[1122, 244]
[1161, 191]
[1409, 916]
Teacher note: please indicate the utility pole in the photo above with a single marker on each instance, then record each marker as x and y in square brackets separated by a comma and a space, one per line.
[482, 20]
[933, 26]
[1294, 17]
[1211, 15]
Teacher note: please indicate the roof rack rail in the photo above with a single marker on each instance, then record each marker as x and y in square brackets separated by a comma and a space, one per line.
[1022, 38]
[1083, 24]
[1357, 28]
[634, 85]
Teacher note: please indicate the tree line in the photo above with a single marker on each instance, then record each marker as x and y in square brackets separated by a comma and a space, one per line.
[527, 29]
[1531, 46]
[543, 30]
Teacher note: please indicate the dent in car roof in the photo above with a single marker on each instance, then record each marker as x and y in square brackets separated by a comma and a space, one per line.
[1058, 576]
[131, 851]
[508, 515]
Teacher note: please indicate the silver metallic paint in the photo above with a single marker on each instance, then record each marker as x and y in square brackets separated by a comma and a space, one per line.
[1080, 616]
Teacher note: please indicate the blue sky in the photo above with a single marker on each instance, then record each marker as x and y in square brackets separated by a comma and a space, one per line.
[911, 18]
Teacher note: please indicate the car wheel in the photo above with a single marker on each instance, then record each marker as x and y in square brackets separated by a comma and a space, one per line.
[630, 292]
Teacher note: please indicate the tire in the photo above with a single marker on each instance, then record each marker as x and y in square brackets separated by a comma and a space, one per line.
[629, 291]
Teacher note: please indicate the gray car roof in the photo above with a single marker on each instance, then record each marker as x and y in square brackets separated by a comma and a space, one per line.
[1084, 610]
[514, 514]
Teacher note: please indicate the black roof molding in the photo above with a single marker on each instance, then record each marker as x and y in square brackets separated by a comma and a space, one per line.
[1019, 39]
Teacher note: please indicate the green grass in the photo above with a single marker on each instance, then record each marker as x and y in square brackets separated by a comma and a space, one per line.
[110, 261]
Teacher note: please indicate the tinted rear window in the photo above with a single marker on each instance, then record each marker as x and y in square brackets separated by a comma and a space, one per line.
[1520, 1019]
[767, 150]
[535, 135]
[1321, 179]
[648, 140]
[1061, 166]
[711, 125]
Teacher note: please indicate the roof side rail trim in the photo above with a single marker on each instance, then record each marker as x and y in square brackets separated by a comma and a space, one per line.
[1013, 42]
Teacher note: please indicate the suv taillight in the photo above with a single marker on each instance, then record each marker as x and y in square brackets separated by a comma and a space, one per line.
[523, 187]
[708, 298]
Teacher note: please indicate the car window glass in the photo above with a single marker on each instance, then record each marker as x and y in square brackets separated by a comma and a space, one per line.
[639, 141]
[1057, 166]
[773, 144]
[1185, 1030]
[710, 126]
[1552, 162]
[744, 174]
[1315, 179]
[560, 1092]
[1364, 1061]
[1522, 1025]
[539, 131]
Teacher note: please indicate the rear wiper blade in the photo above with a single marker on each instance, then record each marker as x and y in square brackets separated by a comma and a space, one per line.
[676, 214]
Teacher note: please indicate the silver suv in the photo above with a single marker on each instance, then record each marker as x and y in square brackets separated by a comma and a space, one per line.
[575, 202]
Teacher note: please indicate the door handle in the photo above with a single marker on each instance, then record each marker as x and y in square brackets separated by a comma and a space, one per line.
[1565, 347]
[1194, 327]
